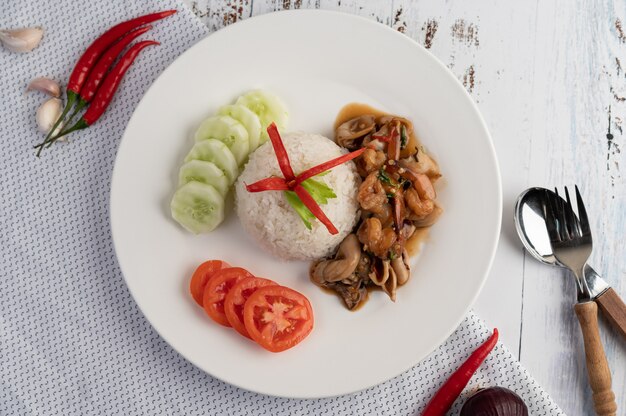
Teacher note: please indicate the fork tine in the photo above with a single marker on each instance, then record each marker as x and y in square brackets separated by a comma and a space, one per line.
[549, 208]
[560, 215]
[572, 221]
[582, 214]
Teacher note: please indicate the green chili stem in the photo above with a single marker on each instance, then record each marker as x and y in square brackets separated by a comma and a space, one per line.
[71, 100]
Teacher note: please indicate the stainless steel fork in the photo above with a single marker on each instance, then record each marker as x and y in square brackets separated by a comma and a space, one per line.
[571, 245]
[570, 238]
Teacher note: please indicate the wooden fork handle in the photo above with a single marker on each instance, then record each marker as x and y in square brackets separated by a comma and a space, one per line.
[614, 309]
[597, 365]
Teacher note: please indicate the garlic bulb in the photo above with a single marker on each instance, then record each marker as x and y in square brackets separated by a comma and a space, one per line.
[45, 85]
[48, 113]
[21, 40]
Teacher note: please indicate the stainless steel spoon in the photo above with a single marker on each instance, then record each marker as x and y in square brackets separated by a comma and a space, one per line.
[531, 228]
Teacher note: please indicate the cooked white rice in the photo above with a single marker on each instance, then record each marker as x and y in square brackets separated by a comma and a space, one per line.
[273, 223]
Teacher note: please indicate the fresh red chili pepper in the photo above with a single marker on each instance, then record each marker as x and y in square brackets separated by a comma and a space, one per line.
[293, 183]
[446, 395]
[88, 59]
[88, 91]
[281, 152]
[268, 184]
[106, 91]
[104, 63]
[316, 170]
[96, 49]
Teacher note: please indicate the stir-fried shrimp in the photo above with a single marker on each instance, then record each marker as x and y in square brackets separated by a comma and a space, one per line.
[377, 239]
[420, 197]
[370, 161]
[372, 196]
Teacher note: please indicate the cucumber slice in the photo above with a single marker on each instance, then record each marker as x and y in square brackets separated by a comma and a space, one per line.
[198, 207]
[228, 131]
[268, 107]
[204, 172]
[249, 120]
[216, 152]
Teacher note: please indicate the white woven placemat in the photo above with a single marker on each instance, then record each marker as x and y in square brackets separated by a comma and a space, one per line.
[72, 340]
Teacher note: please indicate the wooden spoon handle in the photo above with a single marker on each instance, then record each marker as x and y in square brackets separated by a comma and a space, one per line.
[597, 365]
[614, 308]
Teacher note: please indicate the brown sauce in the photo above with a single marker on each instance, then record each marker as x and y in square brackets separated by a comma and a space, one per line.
[354, 110]
[414, 243]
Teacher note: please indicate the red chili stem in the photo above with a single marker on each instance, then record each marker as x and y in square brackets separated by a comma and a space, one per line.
[96, 49]
[315, 209]
[281, 152]
[446, 395]
[268, 184]
[316, 170]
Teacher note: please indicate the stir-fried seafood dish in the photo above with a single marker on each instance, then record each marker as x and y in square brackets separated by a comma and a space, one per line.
[396, 197]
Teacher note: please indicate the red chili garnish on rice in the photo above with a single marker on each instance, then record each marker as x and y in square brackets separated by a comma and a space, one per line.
[291, 182]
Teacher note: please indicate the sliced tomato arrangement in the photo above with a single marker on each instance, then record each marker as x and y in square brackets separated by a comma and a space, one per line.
[277, 317]
[216, 290]
[202, 275]
[237, 297]
[274, 316]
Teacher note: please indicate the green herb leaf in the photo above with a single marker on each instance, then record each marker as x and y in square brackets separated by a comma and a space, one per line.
[318, 190]
[305, 214]
[404, 139]
[382, 176]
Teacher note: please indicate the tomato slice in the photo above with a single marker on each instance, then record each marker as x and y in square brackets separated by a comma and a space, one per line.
[217, 289]
[202, 275]
[277, 317]
[236, 298]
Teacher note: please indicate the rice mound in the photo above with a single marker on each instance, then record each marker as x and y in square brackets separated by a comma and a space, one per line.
[273, 223]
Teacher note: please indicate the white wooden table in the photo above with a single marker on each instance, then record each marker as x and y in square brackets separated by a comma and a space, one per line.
[550, 80]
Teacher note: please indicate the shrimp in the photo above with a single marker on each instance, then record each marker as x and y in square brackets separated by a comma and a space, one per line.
[371, 160]
[375, 238]
[372, 196]
[420, 197]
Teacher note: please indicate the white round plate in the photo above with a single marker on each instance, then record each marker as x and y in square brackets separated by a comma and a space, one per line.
[317, 62]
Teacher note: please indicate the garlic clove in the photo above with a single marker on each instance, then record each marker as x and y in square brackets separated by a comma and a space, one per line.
[21, 40]
[48, 113]
[45, 85]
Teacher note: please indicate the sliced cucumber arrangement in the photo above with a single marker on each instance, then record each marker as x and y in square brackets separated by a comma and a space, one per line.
[204, 172]
[268, 107]
[216, 152]
[228, 131]
[223, 143]
[198, 207]
[249, 120]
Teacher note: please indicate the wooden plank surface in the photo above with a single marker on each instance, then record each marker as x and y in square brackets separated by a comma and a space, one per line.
[550, 81]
